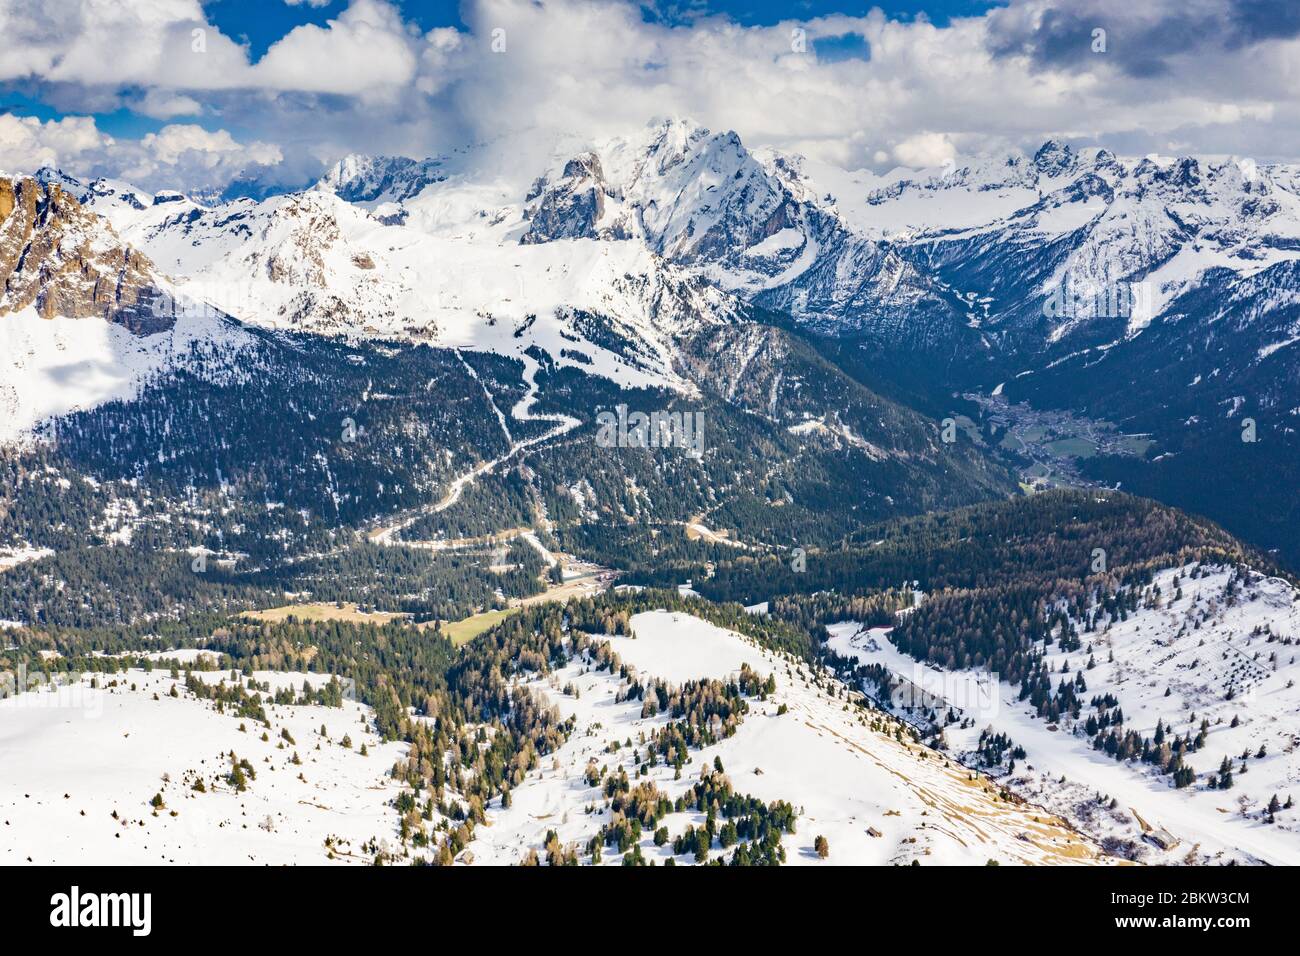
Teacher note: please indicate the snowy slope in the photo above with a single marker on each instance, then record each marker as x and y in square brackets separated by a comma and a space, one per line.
[821, 755]
[53, 366]
[75, 756]
[1221, 654]
[313, 262]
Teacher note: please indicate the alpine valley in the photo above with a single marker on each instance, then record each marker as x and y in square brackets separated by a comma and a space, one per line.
[659, 498]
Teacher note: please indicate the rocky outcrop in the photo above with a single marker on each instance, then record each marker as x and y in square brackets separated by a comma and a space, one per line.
[573, 207]
[381, 178]
[69, 263]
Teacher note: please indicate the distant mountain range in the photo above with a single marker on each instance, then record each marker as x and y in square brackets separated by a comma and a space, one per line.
[1158, 295]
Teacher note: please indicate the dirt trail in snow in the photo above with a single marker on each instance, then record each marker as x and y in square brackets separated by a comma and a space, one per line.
[522, 411]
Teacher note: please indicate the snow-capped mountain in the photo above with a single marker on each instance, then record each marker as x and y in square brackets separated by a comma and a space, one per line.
[314, 262]
[610, 255]
[747, 220]
[577, 310]
[993, 265]
[84, 316]
[970, 259]
[1087, 222]
[379, 179]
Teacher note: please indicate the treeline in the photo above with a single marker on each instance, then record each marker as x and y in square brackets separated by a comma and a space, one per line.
[96, 587]
[1054, 535]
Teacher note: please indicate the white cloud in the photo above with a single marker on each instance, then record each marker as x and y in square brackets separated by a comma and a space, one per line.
[195, 156]
[368, 81]
[925, 149]
[177, 155]
[173, 142]
[164, 104]
[133, 42]
[27, 144]
[170, 45]
[366, 48]
[593, 68]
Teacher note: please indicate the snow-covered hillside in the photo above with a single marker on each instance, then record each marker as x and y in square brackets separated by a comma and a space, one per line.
[82, 765]
[52, 366]
[1207, 649]
[877, 796]
[314, 262]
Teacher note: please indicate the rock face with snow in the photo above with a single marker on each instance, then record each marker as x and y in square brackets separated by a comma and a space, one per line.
[572, 208]
[65, 262]
[365, 179]
[86, 317]
[747, 220]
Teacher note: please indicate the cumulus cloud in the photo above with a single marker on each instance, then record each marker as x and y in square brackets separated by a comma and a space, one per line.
[925, 149]
[173, 143]
[165, 104]
[365, 49]
[170, 45]
[192, 155]
[176, 154]
[1214, 76]
[27, 144]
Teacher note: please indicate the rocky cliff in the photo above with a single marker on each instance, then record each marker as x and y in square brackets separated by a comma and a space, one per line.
[67, 262]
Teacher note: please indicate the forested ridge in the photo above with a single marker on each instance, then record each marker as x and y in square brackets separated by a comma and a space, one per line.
[277, 470]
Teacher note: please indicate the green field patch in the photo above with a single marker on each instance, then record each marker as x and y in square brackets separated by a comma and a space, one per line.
[1072, 448]
[1135, 445]
[465, 630]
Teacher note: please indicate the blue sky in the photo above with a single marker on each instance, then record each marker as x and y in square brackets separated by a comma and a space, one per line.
[189, 93]
[764, 12]
[261, 23]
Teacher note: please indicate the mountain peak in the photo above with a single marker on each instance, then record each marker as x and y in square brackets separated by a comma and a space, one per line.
[361, 178]
[1054, 158]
